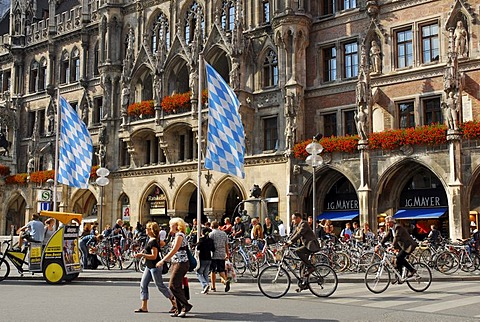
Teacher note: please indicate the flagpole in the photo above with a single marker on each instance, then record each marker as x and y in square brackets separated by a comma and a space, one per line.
[57, 142]
[199, 146]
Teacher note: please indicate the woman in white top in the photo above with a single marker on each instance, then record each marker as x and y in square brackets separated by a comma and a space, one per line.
[180, 265]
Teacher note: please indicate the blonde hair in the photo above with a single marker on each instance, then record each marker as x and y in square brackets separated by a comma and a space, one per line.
[181, 225]
[154, 227]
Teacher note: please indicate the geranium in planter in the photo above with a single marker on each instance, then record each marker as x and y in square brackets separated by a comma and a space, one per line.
[143, 108]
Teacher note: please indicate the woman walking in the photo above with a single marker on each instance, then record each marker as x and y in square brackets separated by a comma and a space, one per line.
[180, 265]
[152, 256]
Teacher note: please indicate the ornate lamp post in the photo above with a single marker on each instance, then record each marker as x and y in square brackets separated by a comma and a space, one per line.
[102, 181]
[314, 160]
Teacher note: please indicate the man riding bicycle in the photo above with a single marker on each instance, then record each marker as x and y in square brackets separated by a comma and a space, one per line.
[309, 241]
[402, 242]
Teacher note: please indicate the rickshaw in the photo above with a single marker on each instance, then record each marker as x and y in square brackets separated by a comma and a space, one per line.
[58, 260]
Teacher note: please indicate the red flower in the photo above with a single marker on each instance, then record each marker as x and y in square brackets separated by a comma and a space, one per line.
[471, 130]
[42, 176]
[142, 108]
[20, 178]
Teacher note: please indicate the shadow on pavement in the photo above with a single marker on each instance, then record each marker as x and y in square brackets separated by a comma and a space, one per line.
[247, 317]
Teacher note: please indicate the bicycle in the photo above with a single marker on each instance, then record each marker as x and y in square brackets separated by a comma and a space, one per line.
[378, 276]
[243, 258]
[274, 281]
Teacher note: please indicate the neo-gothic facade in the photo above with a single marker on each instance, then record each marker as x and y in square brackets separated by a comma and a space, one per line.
[299, 67]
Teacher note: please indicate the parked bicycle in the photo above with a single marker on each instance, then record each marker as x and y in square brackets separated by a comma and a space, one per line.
[274, 281]
[243, 257]
[379, 275]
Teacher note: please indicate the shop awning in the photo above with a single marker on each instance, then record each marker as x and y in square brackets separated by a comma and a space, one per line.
[338, 215]
[420, 213]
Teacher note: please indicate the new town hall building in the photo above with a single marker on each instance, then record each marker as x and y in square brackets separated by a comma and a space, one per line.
[299, 67]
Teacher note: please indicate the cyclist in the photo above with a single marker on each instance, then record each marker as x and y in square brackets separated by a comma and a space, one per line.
[308, 239]
[402, 242]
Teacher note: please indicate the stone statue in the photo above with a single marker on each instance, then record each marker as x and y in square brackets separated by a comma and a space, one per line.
[125, 98]
[460, 36]
[361, 121]
[31, 165]
[101, 154]
[106, 84]
[451, 111]
[361, 90]
[157, 89]
[375, 58]
[234, 74]
[84, 113]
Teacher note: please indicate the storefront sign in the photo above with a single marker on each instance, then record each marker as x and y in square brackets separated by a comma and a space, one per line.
[422, 202]
[342, 204]
[158, 204]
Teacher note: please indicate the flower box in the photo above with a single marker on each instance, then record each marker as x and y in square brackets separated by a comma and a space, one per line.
[143, 108]
[180, 103]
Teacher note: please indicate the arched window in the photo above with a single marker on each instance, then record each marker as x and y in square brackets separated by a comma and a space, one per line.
[265, 19]
[191, 22]
[96, 60]
[42, 75]
[270, 70]
[160, 33]
[75, 76]
[228, 15]
[34, 66]
[64, 68]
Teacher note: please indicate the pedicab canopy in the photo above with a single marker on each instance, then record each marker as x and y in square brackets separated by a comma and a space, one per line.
[64, 217]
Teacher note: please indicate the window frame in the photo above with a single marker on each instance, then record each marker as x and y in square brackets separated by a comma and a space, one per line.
[64, 68]
[404, 44]
[349, 122]
[34, 72]
[422, 39]
[75, 65]
[327, 124]
[354, 58]
[437, 115]
[410, 115]
[329, 74]
[270, 74]
[270, 133]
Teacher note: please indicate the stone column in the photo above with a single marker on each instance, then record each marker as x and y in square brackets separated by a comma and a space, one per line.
[364, 191]
[457, 209]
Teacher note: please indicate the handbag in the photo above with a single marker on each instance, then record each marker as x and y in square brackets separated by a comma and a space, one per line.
[165, 268]
[191, 260]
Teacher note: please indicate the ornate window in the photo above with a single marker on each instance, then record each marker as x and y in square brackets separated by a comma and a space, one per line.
[329, 64]
[33, 76]
[228, 15]
[265, 19]
[406, 115]
[347, 4]
[191, 21]
[270, 134]
[160, 33]
[270, 70]
[349, 123]
[330, 124]
[430, 43]
[42, 75]
[404, 45]
[351, 60]
[96, 59]
[64, 68]
[432, 111]
[75, 76]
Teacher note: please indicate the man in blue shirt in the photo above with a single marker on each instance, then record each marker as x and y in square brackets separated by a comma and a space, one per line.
[33, 231]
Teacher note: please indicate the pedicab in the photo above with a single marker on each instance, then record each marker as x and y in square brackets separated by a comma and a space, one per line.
[58, 260]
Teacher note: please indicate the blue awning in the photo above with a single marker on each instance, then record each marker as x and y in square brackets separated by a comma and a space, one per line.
[338, 215]
[420, 213]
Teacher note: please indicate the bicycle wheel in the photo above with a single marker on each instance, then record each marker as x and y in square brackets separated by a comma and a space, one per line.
[274, 281]
[422, 279]
[127, 259]
[377, 278]
[426, 257]
[468, 263]
[323, 281]
[447, 263]
[341, 261]
[320, 258]
[4, 269]
[253, 264]
[238, 263]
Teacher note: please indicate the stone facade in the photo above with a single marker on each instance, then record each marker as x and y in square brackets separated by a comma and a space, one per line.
[298, 67]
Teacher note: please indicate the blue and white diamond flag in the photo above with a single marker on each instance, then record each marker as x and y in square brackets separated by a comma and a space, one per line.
[75, 150]
[225, 134]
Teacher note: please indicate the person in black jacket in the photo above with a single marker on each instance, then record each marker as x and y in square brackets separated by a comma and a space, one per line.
[205, 246]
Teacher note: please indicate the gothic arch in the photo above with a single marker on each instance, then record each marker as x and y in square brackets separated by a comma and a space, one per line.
[472, 190]
[182, 197]
[143, 207]
[177, 75]
[221, 190]
[84, 201]
[14, 212]
[390, 184]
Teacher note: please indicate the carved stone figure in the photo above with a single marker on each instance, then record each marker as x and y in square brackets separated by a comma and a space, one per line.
[361, 121]
[375, 58]
[460, 36]
[125, 98]
[234, 74]
[361, 90]
[31, 165]
[157, 89]
[451, 111]
[106, 84]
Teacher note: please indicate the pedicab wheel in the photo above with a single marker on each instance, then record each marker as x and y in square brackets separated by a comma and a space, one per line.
[53, 272]
[70, 277]
[4, 269]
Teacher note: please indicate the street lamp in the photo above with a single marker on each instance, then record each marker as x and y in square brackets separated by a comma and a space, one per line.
[314, 160]
[102, 181]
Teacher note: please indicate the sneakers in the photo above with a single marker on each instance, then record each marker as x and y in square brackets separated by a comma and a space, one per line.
[185, 310]
[227, 286]
[205, 289]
